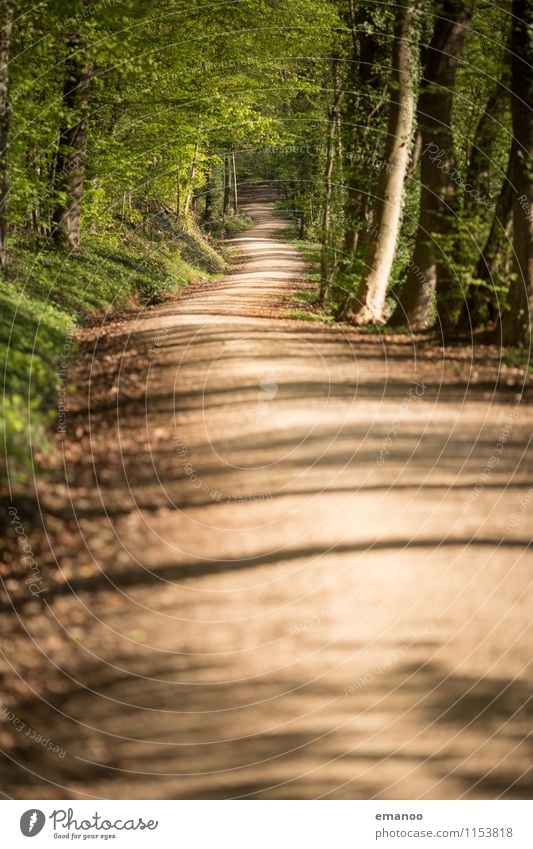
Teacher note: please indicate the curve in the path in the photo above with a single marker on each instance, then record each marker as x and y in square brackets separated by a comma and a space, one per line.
[279, 582]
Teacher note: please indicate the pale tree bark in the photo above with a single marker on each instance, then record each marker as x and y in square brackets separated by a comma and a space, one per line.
[380, 256]
[72, 146]
[438, 164]
[235, 192]
[209, 195]
[6, 34]
[227, 188]
[326, 240]
[516, 321]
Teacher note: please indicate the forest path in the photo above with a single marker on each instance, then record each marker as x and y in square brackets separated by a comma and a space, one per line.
[288, 577]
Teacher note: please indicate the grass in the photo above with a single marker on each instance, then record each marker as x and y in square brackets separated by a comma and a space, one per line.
[311, 309]
[302, 315]
[233, 224]
[520, 358]
[47, 294]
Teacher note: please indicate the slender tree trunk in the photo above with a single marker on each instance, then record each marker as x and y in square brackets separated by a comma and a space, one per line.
[379, 259]
[6, 34]
[36, 209]
[72, 147]
[415, 157]
[49, 203]
[500, 229]
[235, 192]
[192, 176]
[302, 230]
[480, 304]
[361, 82]
[178, 191]
[227, 187]
[516, 322]
[326, 240]
[486, 140]
[336, 200]
[209, 196]
[32, 167]
[429, 270]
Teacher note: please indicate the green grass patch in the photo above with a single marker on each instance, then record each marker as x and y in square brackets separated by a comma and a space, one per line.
[520, 358]
[302, 315]
[233, 225]
[308, 296]
[47, 294]
[310, 252]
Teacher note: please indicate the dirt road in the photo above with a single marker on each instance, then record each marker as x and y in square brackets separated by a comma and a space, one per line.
[296, 565]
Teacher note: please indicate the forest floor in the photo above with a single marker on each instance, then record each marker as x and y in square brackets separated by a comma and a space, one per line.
[289, 560]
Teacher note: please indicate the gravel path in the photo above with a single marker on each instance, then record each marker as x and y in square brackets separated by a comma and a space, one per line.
[303, 571]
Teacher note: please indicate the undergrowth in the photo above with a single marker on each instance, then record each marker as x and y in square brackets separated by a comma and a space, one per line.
[47, 293]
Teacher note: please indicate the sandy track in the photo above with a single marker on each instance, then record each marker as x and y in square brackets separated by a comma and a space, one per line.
[294, 578]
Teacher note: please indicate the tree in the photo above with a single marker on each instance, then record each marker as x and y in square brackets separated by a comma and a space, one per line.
[479, 307]
[380, 256]
[361, 112]
[326, 236]
[430, 270]
[516, 321]
[227, 187]
[235, 188]
[72, 145]
[6, 32]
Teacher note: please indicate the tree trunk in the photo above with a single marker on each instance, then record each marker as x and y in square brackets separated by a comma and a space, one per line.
[235, 193]
[362, 78]
[190, 190]
[209, 196]
[72, 147]
[6, 34]
[480, 305]
[379, 259]
[516, 322]
[178, 191]
[486, 139]
[227, 188]
[480, 302]
[429, 270]
[326, 240]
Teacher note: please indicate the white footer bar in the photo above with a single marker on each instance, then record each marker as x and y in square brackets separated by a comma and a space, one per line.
[268, 824]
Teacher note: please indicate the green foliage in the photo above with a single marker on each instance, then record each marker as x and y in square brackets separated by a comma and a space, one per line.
[47, 296]
[175, 94]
